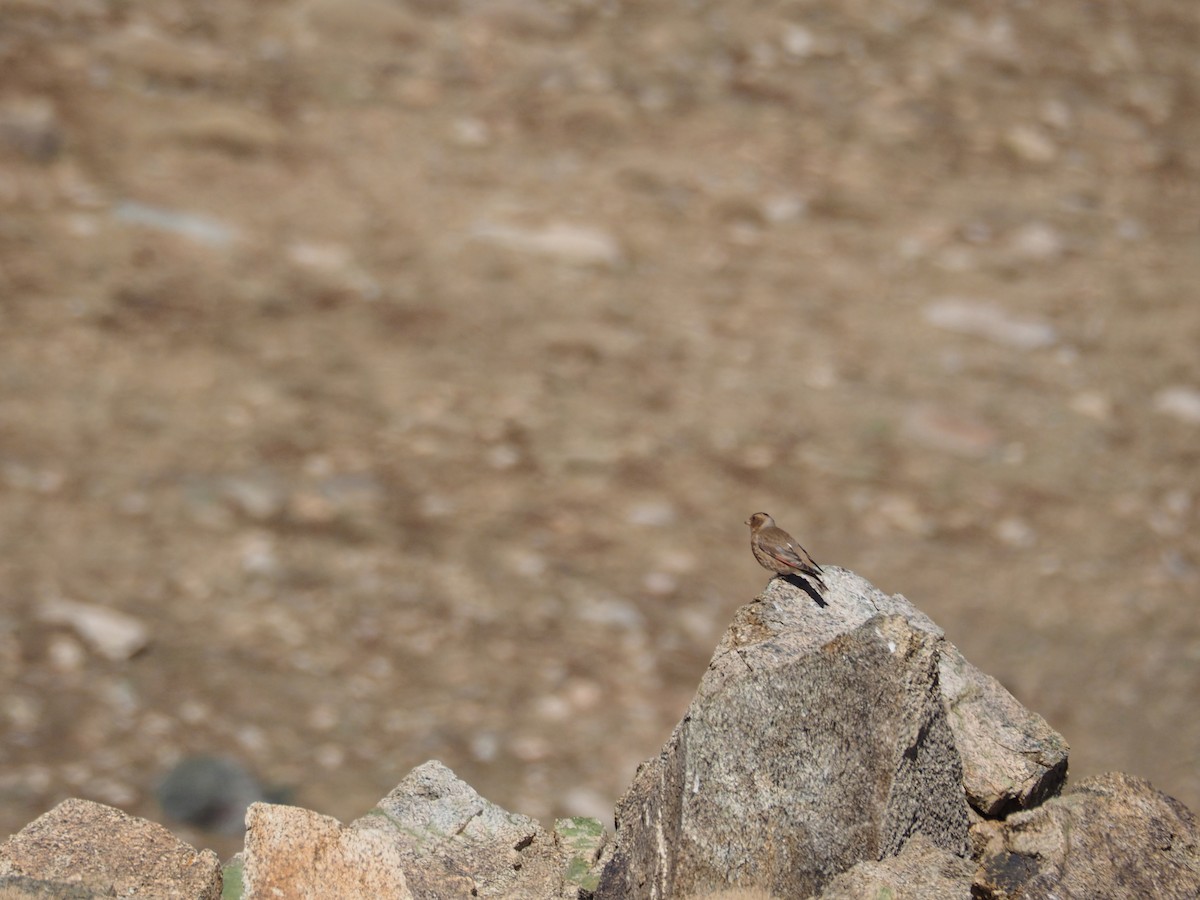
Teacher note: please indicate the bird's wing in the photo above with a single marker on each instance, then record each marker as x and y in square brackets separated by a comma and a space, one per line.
[795, 555]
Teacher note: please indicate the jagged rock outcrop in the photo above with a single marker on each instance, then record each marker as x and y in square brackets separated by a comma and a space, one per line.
[303, 855]
[1011, 758]
[454, 843]
[1108, 836]
[84, 846]
[830, 752]
[820, 737]
[432, 837]
[921, 871]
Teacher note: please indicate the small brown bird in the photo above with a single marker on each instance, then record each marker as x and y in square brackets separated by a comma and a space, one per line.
[779, 552]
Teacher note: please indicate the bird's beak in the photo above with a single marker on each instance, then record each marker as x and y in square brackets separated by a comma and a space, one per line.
[747, 522]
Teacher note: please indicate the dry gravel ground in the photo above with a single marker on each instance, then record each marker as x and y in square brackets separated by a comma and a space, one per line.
[406, 371]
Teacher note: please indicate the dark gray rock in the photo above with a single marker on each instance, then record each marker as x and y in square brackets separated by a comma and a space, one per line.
[1109, 836]
[210, 792]
[818, 739]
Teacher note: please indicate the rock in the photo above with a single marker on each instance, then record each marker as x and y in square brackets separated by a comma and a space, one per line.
[1109, 836]
[454, 843]
[575, 245]
[193, 226]
[260, 495]
[210, 792]
[113, 634]
[223, 127]
[818, 739]
[98, 848]
[1031, 144]
[30, 125]
[1179, 401]
[18, 887]
[1011, 757]
[921, 871]
[990, 322]
[1036, 242]
[295, 853]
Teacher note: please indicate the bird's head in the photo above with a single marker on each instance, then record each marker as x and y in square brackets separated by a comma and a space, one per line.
[760, 520]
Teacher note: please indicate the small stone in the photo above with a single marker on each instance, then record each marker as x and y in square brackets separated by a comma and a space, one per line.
[65, 653]
[330, 756]
[991, 322]
[1015, 532]
[257, 495]
[115, 635]
[528, 563]
[22, 712]
[503, 456]
[23, 477]
[1093, 404]
[471, 133]
[437, 506]
[652, 514]
[320, 256]
[660, 584]
[1036, 242]
[230, 129]
[576, 245]
[323, 717]
[798, 41]
[31, 126]
[553, 708]
[194, 226]
[485, 746]
[1179, 401]
[259, 555]
[780, 208]
[1031, 144]
[1056, 113]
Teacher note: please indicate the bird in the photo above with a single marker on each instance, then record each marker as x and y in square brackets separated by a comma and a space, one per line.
[779, 552]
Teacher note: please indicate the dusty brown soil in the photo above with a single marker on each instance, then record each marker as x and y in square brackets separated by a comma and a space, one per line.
[409, 369]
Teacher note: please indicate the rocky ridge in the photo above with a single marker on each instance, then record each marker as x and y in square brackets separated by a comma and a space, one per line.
[831, 751]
